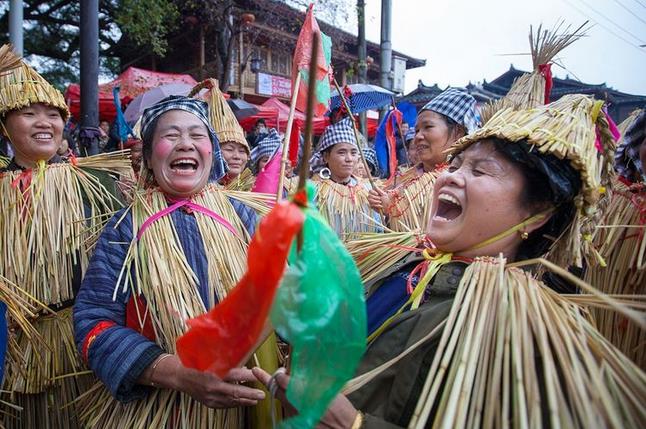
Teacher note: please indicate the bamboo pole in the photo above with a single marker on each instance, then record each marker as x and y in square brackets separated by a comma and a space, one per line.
[356, 133]
[288, 135]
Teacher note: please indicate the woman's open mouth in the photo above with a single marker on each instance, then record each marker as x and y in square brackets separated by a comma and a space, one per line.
[448, 208]
[184, 166]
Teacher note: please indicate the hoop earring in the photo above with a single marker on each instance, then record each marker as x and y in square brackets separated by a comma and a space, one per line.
[325, 173]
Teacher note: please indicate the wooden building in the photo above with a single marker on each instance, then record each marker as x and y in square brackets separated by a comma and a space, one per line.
[620, 104]
[267, 47]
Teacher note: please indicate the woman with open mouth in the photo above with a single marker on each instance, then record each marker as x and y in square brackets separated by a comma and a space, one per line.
[405, 199]
[50, 212]
[459, 337]
[172, 255]
[342, 198]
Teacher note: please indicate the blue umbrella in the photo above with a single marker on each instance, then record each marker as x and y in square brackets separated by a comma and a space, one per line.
[364, 97]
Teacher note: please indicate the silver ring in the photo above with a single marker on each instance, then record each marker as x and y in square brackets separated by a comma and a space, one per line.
[273, 384]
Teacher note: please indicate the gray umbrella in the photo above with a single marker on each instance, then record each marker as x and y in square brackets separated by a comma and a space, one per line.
[242, 109]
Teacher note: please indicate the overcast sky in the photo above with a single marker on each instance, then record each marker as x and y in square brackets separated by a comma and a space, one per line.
[465, 40]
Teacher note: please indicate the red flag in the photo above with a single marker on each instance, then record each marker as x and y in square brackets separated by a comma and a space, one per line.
[395, 115]
[302, 59]
[224, 337]
[294, 144]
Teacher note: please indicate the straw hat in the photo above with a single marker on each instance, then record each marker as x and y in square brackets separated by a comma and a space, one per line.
[222, 118]
[21, 86]
[533, 89]
[567, 129]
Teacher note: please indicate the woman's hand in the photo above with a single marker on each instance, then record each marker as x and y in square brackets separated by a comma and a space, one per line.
[378, 199]
[341, 414]
[205, 387]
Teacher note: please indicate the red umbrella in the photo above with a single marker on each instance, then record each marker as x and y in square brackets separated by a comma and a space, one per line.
[133, 81]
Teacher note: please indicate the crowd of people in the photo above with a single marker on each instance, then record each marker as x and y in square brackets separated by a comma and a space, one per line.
[466, 326]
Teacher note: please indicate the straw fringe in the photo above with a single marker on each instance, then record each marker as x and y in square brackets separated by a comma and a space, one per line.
[411, 206]
[621, 240]
[49, 375]
[44, 232]
[376, 253]
[485, 371]
[244, 181]
[345, 208]
[157, 268]
[161, 409]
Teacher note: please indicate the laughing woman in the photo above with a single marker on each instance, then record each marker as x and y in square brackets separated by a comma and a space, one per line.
[474, 342]
[172, 255]
[405, 199]
[341, 197]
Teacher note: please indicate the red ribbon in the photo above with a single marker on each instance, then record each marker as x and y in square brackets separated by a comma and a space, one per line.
[546, 71]
[191, 205]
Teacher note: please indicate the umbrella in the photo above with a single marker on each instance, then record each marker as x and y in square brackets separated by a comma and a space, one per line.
[242, 109]
[141, 102]
[364, 97]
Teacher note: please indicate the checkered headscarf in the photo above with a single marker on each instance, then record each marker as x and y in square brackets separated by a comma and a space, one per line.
[627, 161]
[341, 132]
[371, 159]
[410, 134]
[197, 107]
[267, 146]
[457, 105]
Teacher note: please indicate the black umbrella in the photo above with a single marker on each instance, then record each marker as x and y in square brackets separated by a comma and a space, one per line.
[241, 108]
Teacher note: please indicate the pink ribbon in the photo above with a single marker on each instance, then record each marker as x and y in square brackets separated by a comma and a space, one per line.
[191, 205]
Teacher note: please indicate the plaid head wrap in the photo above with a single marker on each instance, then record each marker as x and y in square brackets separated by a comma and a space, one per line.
[371, 159]
[267, 146]
[457, 105]
[197, 107]
[410, 134]
[341, 132]
[627, 161]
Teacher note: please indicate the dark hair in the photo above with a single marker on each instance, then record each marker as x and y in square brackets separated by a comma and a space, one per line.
[549, 182]
[261, 121]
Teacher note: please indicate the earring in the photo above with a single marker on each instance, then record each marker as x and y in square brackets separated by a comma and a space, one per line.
[325, 173]
[524, 235]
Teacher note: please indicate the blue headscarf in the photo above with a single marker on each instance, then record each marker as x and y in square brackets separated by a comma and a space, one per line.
[197, 107]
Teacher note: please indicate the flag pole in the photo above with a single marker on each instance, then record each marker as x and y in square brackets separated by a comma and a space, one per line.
[304, 170]
[288, 135]
[356, 133]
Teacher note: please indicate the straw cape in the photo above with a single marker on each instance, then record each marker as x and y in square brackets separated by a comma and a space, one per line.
[157, 270]
[410, 196]
[48, 222]
[346, 207]
[621, 242]
[533, 361]
[244, 181]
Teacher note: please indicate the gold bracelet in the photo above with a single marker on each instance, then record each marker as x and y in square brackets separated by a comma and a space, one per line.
[152, 371]
[358, 421]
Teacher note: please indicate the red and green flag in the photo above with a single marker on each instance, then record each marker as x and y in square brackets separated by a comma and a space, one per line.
[301, 64]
